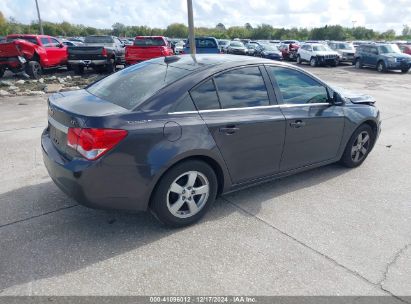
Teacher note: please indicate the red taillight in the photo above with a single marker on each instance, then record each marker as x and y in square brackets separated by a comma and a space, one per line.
[104, 52]
[93, 143]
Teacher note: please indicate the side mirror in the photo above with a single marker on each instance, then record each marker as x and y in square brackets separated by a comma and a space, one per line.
[61, 45]
[337, 100]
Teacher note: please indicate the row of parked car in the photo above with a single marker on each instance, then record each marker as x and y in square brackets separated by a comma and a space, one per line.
[382, 56]
[34, 53]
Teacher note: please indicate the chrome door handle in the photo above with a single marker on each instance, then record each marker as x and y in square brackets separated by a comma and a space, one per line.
[297, 124]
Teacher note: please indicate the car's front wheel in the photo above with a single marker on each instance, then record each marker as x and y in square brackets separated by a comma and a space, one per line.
[184, 193]
[299, 61]
[406, 70]
[381, 67]
[358, 147]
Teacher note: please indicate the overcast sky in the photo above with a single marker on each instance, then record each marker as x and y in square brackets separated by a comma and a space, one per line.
[377, 14]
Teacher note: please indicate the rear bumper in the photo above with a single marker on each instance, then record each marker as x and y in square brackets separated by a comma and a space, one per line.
[87, 63]
[12, 62]
[96, 184]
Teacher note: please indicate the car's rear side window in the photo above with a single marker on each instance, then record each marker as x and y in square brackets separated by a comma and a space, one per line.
[205, 96]
[132, 86]
[241, 88]
[149, 41]
[29, 39]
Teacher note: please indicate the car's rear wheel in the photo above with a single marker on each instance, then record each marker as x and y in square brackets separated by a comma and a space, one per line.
[184, 193]
[406, 70]
[313, 62]
[33, 69]
[381, 67]
[2, 71]
[358, 147]
[358, 64]
[111, 66]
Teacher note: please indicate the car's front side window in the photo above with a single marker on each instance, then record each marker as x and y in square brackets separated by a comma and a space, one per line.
[241, 88]
[298, 88]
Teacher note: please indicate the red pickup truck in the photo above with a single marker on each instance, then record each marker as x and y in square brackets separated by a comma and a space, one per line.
[31, 53]
[147, 47]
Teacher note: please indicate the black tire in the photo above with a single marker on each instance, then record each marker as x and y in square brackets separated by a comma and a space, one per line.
[299, 61]
[335, 63]
[406, 70]
[161, 197]
[358, 63]
[313, 62]
[111, 66]
[33, 69]
[78, 69]
[349, 156]
[2, 71]
[381, 67]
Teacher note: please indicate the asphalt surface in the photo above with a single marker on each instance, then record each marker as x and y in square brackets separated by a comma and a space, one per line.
[328, 231]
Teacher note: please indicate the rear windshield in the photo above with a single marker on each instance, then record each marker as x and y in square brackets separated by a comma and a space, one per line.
[237, 44]
[29, 39]
[98, 39]
[130, 87]
[149, 42]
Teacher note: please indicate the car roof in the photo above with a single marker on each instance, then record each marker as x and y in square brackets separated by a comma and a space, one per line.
[201, 61]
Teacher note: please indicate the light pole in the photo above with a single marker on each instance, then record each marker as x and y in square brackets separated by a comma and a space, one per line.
[191, 36]
[38, 14]
[353, 23]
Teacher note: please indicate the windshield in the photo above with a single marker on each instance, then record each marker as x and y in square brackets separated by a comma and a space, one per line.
[236, 44]
[146, 41]
[320, 48]
[345, 46]
[98, 39]
[132, 86]
[270, 48]
[389, 48]
[29, 39]
[223, 42]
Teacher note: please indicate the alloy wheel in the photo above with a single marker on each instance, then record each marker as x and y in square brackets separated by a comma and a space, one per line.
[360, 146]
[188, 194]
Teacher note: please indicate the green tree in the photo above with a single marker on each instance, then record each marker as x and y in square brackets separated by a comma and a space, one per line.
[118, 29]
[406, 31]
[176, 30]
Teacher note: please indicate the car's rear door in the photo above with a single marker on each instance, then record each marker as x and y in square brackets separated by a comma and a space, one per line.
[314, 127]
[247, 128]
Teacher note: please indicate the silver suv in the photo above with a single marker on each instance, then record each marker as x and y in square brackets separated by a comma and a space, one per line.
[345, 50]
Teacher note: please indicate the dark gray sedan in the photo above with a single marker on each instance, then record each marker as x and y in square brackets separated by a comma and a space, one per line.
[170, 134]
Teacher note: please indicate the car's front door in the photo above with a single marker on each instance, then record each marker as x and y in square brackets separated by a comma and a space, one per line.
[248, 129]
[314, 126]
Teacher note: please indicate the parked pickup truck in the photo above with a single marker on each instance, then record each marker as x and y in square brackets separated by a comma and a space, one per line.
[102, 53]
[147, 47]
[31, 54]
